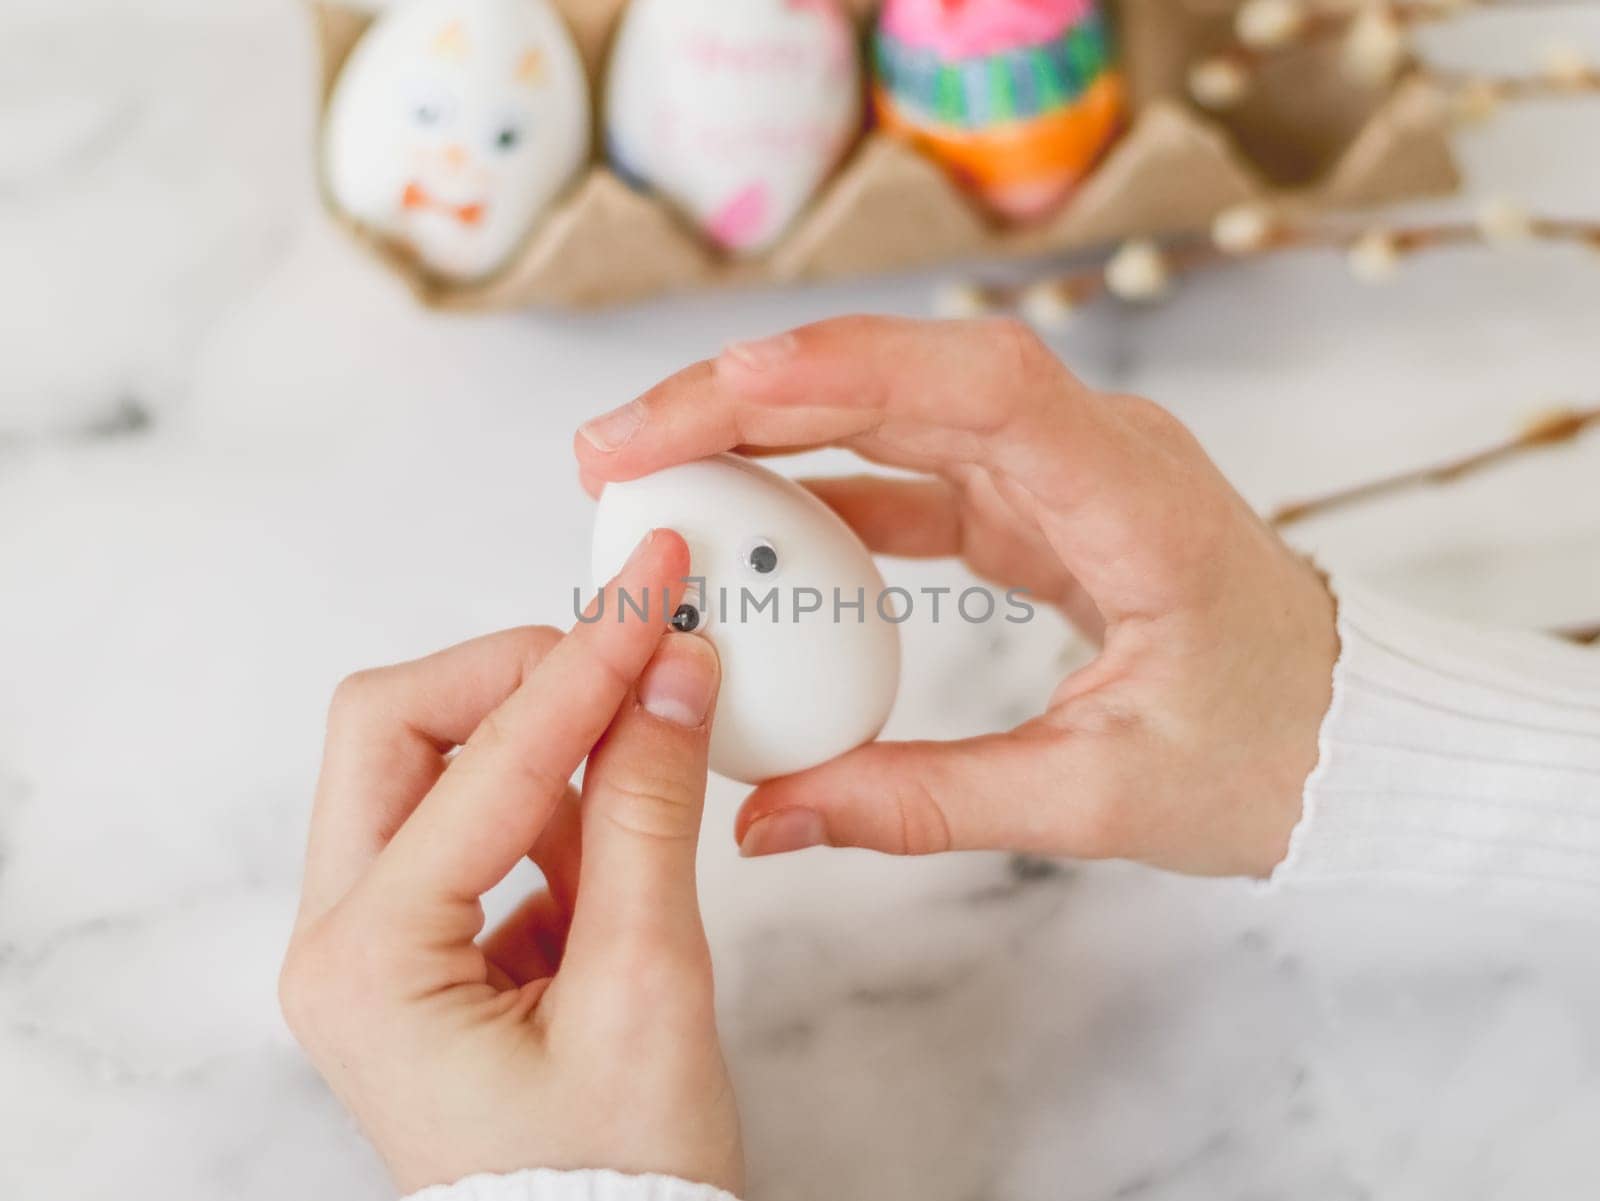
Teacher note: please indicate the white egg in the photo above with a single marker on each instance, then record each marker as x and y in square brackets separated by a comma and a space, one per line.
[453, 124]
[788, 595]
[736, 110]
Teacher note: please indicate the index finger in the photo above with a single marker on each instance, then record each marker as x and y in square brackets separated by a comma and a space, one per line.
[1102, 477]
[834, 382]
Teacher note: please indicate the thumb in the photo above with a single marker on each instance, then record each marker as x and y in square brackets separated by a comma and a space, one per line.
[643, 793]
[1032, 789]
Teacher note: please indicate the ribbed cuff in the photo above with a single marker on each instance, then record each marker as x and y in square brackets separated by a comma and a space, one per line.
[1453, 756]
[543, 1184]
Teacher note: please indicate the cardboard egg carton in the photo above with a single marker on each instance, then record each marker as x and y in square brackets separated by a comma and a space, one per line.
[1306, 137]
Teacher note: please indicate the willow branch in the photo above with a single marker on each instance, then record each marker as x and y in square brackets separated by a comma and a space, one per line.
[1373, 253]
[1554, 429]
[1323, 25]
[1377, 47]
[1581, 81]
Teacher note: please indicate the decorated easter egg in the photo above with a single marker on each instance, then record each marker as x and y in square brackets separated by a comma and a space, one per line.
[453, 124]
[1016, 98]
[789, 596]
[736, 110]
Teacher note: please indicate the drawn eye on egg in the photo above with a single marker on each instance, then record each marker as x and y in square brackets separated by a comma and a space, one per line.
[509, 131]
[429, 107]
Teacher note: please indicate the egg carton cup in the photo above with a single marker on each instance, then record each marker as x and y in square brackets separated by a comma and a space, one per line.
[1307, 139]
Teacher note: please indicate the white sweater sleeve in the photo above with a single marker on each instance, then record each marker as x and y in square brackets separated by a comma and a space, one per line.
[543, 1184]
[1454, 756]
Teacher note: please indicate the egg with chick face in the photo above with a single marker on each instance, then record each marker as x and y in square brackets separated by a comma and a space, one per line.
[453, 124]
[734, 110]
[788, 595]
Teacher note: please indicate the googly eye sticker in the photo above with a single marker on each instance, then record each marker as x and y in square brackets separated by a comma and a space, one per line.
[687, 619]
[693, 612]
[761, 557]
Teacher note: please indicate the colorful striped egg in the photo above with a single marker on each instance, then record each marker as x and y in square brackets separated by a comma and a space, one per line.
[1017, 99]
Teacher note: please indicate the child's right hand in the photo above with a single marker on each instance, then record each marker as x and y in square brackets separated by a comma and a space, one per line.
[581, 1033]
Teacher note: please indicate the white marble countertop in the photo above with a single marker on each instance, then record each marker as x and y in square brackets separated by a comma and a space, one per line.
[236, 463]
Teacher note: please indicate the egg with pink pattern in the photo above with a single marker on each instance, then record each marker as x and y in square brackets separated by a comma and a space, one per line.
[736, 111]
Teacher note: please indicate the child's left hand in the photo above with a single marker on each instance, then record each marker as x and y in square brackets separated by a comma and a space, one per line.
[581, 1033]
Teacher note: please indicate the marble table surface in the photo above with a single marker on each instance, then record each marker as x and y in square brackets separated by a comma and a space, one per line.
[236, 463]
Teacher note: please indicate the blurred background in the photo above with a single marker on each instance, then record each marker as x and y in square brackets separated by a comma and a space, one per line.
[237, 462]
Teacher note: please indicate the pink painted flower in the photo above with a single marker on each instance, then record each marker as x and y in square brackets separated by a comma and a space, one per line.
[742, 221]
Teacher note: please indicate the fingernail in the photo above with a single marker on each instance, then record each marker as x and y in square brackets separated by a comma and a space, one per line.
[782, 832]
[615, 429]
[681, 681]
[762, 354]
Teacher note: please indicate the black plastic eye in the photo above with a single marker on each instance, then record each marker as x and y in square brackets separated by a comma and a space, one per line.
[686, 620]
[508, 138]
[763, 558]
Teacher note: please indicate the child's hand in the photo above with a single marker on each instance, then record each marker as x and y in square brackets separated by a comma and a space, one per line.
[1186, 744]
[580, 1034]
